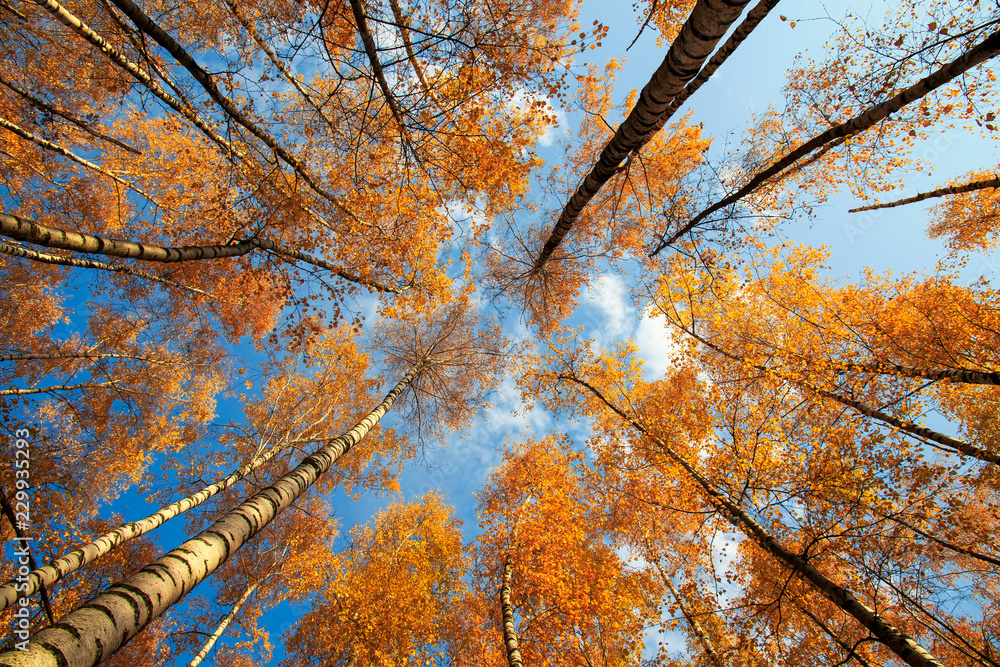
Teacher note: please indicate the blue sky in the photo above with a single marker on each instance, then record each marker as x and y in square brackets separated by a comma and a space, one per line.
[748, 83]
[752, 80]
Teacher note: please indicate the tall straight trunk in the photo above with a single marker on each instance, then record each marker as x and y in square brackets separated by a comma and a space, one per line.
[368, 41]
[863, 121]
[65, 115]
[507, 611]
[709, 21]
[55, 570]
[743, 30]
[56, 148]
[908, 650]
[82, 354]
[101, 626]
[908, 427]
[203, 653]
[692, 620]
[940, 192]
[46, 258]
[150, 27]
[404, 34]
[84, 31]
[53, 237]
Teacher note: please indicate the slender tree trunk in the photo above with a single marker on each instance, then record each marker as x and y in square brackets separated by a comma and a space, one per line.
[197, 660]
[150, 27]
[868, 118]
[43, 356]
[914, 429]
[942, 628]
[53, 237]
[743, 30]
[5, 6]
[962, 375]
[84, 31]
[909, 427]
[287, 252]
[908, 650]
[273, 57]
[699, 632]
[945, 543]
[45, 258]
[56, 111]
[940, 192]
[850, 650]
[507, 611]
[55, 148]
[59, 387]
[40, 577]
[709, 21]
[369, 43]
[101, 626]
[25, 544]
[404, 34]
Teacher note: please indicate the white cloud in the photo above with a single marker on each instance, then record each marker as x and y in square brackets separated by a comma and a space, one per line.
[522, 100]
[609, 298]
[551, 133]
[725, 548]
[657, 343]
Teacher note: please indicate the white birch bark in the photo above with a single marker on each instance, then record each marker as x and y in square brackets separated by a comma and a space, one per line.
[203, 653]
[88, 553]
[98, 628]
[904, 646]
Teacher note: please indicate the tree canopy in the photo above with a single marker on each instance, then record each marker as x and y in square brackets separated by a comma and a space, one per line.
[308, 275]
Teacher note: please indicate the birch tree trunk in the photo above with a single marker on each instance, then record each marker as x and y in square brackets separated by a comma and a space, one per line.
[56, 148]
[43, 356]
[83, 30]
[743, 30]
[203, 653]
[88, 553]
[507, 611]
[980, 53]
[53, 237]
[54, 388]
[940, 192]
[963, 375]
[101, 626]
[709, 21]
[908, 427]
[908, 650]
[62, 113]
[46, 258]
[699, 632]
[404, 34]
[371, 51]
